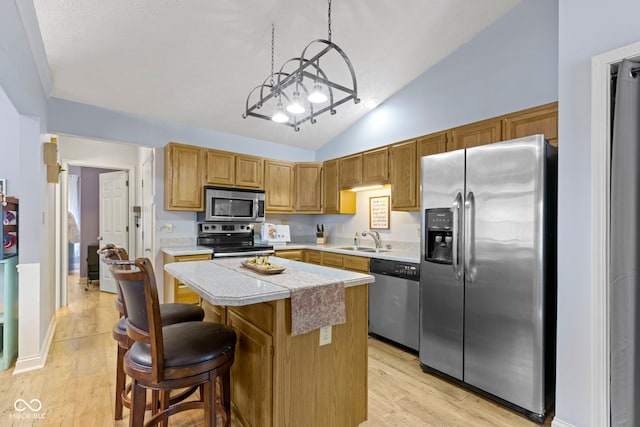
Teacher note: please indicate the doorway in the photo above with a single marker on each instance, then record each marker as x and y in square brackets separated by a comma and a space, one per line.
[86, 218]
[94, 155]
[600, 227]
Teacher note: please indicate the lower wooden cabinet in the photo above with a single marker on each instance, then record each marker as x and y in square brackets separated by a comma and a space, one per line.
[330, 259]
[176, 291]
[282, 380]
[251, 372]
[313, 257]
[355, 263]
[292, 254]
[358, 264]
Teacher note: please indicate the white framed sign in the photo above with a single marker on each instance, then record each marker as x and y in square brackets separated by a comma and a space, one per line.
[379, 213]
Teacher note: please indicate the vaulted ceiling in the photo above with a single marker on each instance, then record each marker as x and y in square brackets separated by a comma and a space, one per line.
[195, 61]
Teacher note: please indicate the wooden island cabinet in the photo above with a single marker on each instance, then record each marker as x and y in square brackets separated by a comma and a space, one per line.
[279, 379]
[282, 380]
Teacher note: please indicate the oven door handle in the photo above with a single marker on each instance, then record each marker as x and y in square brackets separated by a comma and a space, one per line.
[242, 254]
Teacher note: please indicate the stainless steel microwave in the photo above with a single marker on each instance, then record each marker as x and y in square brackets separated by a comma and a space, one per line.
[232, 204]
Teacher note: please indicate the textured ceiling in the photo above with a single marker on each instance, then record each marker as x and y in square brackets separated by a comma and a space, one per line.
[195, 61]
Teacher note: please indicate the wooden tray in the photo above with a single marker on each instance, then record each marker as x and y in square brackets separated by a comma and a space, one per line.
[260, 268]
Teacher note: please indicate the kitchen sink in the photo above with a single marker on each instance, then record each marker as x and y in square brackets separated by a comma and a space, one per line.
[362, 249]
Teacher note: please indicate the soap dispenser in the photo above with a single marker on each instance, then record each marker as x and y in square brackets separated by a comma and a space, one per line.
[356, 240]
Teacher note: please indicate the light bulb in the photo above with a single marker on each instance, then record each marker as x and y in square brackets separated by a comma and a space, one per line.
[317, 96]
[279, 116]
[295, 107]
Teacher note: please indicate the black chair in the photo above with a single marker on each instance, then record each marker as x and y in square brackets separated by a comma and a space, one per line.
[93, 266]
[169, 313]
[173, 357]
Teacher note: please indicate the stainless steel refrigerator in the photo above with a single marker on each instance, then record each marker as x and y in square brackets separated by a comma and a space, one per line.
[488, 270]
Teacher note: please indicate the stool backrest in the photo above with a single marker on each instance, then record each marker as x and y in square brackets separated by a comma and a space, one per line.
[112, 253]
[140, 296]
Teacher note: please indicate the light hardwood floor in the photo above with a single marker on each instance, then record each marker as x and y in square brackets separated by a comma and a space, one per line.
[76, 386]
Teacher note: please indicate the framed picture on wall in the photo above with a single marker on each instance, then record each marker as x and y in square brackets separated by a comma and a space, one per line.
[379, 213]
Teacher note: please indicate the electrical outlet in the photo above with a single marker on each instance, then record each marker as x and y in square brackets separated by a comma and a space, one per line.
[168, 228]
[284, 222]
[299, 227]
[417, 230]
[325, 335]
[339, 228]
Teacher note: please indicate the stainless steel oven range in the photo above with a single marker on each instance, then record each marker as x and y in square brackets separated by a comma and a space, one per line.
[230, 239]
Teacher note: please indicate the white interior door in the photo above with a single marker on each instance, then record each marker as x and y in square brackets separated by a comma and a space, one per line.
[114, 221]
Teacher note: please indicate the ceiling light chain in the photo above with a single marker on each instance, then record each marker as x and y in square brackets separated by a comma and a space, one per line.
[273, 38]
[311, 82]
[329, 23]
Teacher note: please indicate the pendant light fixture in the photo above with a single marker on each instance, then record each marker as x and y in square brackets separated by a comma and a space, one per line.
[301, 87]
[279, 116]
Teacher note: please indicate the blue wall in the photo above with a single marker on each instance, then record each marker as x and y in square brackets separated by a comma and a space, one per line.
[94, 122]
[20, 82]
[509, 66]
[587, 28]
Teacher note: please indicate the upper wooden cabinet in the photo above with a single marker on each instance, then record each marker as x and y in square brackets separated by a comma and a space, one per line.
[278, 186]
[432, 144]
[542, 119]
[375, 166]
[330, 188]
[367, 168]
[249, 171]
[183, 174]
[404, 181]
[308, 187]
[233, 170]
[474, 134]
[221, 168]
[350, 171]
[334, 200]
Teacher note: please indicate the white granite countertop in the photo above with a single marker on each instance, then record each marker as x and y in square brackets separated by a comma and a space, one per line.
[395, 254]
[187, 250]
[221, 286]
[391, 254]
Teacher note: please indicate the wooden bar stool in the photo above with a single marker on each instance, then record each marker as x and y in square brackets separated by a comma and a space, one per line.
[169, 313]
[178, 356]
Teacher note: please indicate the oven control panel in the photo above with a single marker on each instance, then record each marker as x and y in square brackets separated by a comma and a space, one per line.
[223, 228]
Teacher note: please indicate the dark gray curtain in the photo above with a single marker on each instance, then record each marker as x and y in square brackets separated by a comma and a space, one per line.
[625, 249]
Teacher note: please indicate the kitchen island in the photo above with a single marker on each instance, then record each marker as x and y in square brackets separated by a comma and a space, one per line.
[280, 379]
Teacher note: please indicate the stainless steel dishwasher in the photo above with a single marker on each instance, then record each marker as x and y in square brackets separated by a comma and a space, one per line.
[394, 298]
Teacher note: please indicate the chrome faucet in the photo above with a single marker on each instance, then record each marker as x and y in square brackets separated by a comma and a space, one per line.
[375, 236]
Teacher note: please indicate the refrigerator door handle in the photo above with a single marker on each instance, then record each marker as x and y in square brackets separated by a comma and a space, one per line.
[469, 237]
[457, 267]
